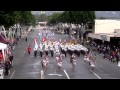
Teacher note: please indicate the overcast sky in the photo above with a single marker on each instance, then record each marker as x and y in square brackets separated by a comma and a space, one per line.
[106, 14]
[47, 12]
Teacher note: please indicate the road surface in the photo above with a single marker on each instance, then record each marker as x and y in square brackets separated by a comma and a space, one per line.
[28, 67]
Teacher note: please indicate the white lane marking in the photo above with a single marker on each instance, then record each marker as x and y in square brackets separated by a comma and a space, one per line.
[55, 74]
[66, 74]
[42, 74]
[30, 73]
[12, 74]
[54, 68]
[96, 75]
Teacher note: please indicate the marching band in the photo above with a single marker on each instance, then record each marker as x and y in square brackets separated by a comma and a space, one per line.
[61, 47]
[64, 48]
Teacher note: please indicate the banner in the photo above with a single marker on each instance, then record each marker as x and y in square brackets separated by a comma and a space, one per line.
[44, 39]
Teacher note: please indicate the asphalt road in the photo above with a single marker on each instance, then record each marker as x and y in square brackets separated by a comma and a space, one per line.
[28, 67]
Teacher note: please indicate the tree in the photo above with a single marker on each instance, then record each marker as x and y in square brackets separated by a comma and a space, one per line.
[27, 18]
[66, 17]
[55, 18]
[42, 18]
[9, 18]
[78, 17]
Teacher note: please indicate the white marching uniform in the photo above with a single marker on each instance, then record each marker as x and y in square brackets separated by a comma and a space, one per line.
[41, 47]
[51, 47]
[72, 48]
[59, 64]
[46, 47]
[92, 60]
[35, 49]
[86, 59]
[77, 47]
[74, 61]
[92, 64]
[57, 45]
[64, 47]
[44, 62]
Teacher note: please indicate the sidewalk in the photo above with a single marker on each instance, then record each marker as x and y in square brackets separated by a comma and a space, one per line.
[23, 36]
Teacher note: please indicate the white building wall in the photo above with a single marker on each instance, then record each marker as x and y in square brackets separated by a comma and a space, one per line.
[106, 26]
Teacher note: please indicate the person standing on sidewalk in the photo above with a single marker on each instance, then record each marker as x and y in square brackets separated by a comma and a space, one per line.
[26, 39]
[7, 66]
[11, 59]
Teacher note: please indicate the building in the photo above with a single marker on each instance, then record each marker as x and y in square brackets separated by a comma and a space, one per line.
[41, 25]
[106, 30]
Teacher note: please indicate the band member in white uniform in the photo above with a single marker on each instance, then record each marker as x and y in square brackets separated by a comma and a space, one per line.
[46, 49]
[35, 52]
[72, 49]
[61, 48]
[57, 54]
[64, 49]
[73, 60]
[45, 62]
[57, 45]
[86, 57]
[51, 49]
[69, 48]
[41, 49]
[77, 50]
[92, 61]
[59, 61]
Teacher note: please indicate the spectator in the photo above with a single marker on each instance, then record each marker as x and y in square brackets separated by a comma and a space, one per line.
[7, 66]
[11, 59]
[26, 39]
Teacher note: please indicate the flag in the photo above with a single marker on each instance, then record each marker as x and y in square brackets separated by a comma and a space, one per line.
[44, 39]
[35, 41]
